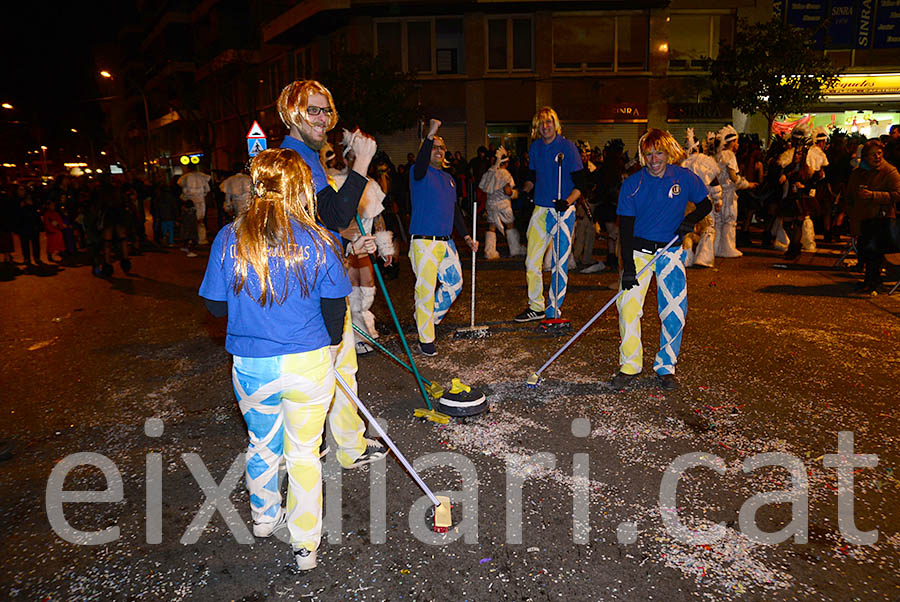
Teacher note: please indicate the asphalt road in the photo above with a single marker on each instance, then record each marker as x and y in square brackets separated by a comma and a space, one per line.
[775, 359]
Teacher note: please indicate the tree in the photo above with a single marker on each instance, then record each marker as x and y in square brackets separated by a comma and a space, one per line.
[370, 95]
[771, 69]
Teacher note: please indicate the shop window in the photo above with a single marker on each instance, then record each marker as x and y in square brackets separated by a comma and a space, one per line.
[600, 43]
[510, 44]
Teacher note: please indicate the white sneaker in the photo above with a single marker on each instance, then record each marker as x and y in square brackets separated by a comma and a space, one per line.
[266, 529]
[305, 558]
[375, 451]
[191, 254]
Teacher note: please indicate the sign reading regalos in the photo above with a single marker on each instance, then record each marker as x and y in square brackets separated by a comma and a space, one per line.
[865, 84]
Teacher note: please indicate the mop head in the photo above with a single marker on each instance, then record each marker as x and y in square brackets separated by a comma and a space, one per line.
[431, 415]
[442, 518]
[555, 325]
[434, 389]
[462, 400]
[472, 332]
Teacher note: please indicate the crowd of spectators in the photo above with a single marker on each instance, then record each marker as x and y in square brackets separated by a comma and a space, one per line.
[107, 219]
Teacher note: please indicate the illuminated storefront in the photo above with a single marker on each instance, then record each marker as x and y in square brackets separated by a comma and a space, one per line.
[868, 104]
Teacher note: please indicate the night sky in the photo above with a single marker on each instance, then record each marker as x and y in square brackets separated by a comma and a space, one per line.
[50, 73]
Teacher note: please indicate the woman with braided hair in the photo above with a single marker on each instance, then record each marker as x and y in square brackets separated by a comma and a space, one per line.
[278, 276]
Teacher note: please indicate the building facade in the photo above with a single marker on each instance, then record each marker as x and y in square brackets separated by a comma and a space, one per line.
[483, 67]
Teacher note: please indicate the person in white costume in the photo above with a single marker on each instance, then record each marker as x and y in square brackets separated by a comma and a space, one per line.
[804, 173]
[700, 245]
[237, 191]
[498, 184]
[195, 188]
[731, 181]
[359, 268]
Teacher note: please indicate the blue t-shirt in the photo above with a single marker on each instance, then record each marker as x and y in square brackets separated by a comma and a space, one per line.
[294, 326]
[542, 159]
[311, 157]
[433, 200]
[320, 180]
[658, 204]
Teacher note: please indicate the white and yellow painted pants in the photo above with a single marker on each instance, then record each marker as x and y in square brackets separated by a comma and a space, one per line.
[542, 230]
[435, 263]
[285, 400]
[671, 301]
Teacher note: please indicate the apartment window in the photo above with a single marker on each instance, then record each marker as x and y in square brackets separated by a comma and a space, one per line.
[421, 45]
[450, 46]
[694, 40]
[418, 39]
[600, 43]
[389, 45]
[584, 43]
[510, 44]
[338, 45]
[301, 68]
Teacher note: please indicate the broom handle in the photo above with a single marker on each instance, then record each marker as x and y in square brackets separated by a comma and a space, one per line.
[415, 371]
[604, 308]
[383, 349]
[474, 214]
[385, 437]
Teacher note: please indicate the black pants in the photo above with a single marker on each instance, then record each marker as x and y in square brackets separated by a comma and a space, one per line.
[31, 243]
[877, 236]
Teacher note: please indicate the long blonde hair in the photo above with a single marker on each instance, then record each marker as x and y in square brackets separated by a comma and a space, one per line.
[282, 193]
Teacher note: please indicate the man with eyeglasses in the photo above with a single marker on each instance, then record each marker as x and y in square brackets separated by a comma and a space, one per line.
[307, 109]
[432, 252]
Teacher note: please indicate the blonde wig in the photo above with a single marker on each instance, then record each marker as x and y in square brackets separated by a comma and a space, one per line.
[282, 196]
[543, 114]
[656, 139]
[293, 100]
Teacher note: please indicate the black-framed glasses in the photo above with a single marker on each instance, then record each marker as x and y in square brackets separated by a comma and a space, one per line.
[312, 110]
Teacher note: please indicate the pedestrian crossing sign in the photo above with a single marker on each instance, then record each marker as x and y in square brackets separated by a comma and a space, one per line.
[255, 146]
[256, 140]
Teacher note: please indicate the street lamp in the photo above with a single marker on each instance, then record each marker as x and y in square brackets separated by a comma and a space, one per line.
[44, 158]
[108, 75]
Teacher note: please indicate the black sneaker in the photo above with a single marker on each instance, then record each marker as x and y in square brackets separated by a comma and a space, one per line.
[529, 315]
[374, 452]
[622, 380]
[427, 349]
[667, 382]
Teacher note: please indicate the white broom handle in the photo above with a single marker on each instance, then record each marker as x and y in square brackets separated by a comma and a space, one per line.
[605, 307]
[387, 439]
